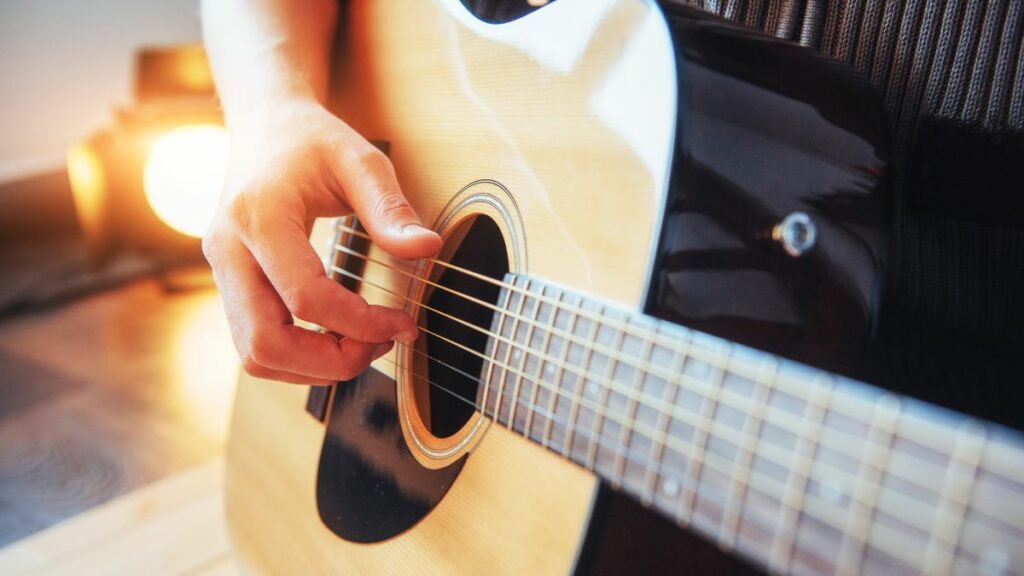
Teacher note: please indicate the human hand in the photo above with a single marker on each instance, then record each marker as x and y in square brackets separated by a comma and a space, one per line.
[288, 166]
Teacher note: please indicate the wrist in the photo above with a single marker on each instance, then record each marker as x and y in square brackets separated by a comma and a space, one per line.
[270, 112]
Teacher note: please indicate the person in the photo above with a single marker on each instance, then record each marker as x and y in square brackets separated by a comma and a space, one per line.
[291, 161]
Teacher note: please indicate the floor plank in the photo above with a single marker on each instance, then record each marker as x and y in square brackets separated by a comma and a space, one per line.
[174, 526]
[108, 394]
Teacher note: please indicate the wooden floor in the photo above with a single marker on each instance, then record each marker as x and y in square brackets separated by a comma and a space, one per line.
[106, 395]
[173, 526]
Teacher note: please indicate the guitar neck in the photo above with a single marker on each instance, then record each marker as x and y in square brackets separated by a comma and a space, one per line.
[794, 467]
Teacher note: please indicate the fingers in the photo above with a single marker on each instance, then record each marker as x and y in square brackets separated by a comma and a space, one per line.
[268, 343]
[254, 369]
[281, 247]
[368, 181]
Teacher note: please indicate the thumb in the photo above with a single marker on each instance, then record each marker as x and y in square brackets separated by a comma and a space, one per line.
[368, 182]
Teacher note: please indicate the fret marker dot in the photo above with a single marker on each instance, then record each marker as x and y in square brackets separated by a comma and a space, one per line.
[590, 389]
[670, 486]
[549, 369]
[516, 354]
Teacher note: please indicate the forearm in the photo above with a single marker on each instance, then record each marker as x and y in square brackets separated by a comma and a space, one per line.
[291, 161]
[263, 52]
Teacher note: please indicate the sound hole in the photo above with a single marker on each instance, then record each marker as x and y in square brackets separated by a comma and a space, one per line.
[453, 370]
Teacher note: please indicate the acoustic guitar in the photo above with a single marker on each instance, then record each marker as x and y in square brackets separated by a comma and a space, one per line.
[663, 238]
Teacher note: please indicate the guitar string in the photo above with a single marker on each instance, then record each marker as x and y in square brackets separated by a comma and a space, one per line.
[610, 321]
[735, 435]
[609, 353]
[925, 440]
[552, 418]
[718, 463]
[613, 356]
[484, 278]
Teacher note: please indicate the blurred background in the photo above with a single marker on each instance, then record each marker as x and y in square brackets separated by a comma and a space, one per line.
[116, 367]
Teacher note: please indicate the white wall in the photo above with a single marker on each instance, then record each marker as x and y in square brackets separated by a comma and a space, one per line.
[65, 64]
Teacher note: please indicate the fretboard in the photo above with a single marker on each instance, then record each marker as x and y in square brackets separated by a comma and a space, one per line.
[798, 469]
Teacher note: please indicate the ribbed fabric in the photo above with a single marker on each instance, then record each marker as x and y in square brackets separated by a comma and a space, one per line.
[967, 51]
[954, 292]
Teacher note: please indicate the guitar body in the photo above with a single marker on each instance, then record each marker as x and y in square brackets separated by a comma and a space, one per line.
[563, 128]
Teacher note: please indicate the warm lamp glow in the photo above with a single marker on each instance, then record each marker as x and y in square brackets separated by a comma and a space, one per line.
[184, 174]
[205, 364]
[88, 183]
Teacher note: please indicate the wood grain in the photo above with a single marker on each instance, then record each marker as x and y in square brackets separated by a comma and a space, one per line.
[105, 395]
[174, 526]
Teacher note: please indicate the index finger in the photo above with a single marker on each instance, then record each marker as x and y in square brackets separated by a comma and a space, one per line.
[282, 249]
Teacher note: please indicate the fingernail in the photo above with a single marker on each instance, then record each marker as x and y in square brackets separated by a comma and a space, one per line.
[414, 230]
[381, 349]
[407, 337]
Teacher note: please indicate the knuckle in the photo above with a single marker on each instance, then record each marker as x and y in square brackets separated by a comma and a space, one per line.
[390, 205]
[262, 348]
[350, 370]
[368, 158]
[240, 210]
[360, 312]
[209, 246]
[299, 302]
[252, 368]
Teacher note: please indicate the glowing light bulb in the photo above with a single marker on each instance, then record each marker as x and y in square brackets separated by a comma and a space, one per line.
[184, 174]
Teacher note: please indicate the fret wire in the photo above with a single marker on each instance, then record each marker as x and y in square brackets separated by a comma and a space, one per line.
[722, 465]
[763, 481]
[961, 472]
[605, 392]
[745, 456]
[490, 364]
[819, 508]
[624, 434]
[925, 440]
[926, 445]
[524, 353]
[793, 496]
[785, 384]
[580, 383]
[508, 354]
[739, 402]
[859, 525]
[717, 463]
[664, 420]
[545, 344]
[701, 432]
[553, 396]
[731, 438]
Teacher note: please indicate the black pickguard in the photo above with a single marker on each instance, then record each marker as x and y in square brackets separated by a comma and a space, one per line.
[369, 486]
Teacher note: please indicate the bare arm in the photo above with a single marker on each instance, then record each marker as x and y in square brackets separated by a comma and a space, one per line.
[266, 51]
[292, 161]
